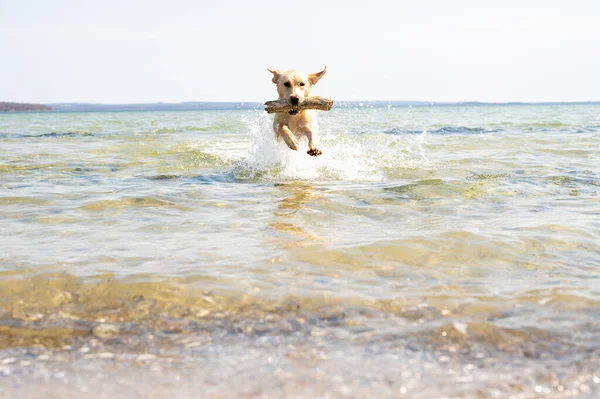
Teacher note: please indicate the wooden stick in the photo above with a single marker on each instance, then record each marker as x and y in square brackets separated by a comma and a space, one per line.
[321, 103]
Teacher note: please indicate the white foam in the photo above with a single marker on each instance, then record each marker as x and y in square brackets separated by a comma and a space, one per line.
[349, 157]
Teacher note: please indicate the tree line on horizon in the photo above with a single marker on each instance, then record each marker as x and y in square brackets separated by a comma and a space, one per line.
[22, 107]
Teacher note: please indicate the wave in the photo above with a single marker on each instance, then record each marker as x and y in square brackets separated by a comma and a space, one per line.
[49, 134]
[525, 128]
[444, 130]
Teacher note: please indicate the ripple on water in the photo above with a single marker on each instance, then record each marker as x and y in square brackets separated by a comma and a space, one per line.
[132, 202]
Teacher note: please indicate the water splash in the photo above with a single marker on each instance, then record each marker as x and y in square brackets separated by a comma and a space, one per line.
[348, 157]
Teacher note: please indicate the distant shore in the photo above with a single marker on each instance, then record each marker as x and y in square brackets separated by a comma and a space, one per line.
[21, 107]
[190, 106]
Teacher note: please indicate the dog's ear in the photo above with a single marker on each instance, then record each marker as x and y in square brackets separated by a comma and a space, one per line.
[275, 73]
[315, 77]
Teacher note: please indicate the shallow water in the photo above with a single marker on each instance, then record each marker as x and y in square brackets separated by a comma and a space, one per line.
[429, 252]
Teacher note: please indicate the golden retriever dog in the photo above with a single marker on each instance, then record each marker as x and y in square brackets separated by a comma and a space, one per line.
[293, 87]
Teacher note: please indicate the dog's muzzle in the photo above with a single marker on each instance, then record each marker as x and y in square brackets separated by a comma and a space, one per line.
[294, 100]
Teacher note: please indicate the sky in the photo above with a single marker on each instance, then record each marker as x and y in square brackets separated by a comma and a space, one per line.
[127, 51]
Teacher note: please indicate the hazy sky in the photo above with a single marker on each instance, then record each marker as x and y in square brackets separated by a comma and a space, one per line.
[179, 50]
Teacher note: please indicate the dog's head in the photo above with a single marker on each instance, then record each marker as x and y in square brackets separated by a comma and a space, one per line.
[294, 86]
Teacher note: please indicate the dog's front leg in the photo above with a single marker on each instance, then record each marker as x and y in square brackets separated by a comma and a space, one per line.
[287, 135]
[312, 143]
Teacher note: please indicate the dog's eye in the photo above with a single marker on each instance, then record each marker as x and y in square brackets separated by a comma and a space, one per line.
[301, 83]
[287, 84]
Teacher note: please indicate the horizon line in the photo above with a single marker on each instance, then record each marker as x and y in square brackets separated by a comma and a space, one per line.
[8, 107]
[336, 101]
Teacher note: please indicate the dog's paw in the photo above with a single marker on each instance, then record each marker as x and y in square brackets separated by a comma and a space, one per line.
[315, 152]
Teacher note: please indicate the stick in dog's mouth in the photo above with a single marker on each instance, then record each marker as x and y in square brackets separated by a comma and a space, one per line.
[318, 103]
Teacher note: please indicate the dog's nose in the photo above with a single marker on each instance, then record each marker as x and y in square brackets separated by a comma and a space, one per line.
[294, 100]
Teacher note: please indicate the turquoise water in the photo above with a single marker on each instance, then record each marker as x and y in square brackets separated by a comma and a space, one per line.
[429, 252]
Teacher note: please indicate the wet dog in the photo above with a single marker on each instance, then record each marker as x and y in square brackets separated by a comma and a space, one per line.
[293, 87]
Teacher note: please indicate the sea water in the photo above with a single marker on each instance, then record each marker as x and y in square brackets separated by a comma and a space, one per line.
[437, 251]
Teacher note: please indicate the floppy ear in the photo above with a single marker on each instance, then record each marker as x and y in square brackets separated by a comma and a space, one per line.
[315, 77]
[275, 73]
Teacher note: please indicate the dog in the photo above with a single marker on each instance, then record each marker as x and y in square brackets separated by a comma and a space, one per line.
[294, 86]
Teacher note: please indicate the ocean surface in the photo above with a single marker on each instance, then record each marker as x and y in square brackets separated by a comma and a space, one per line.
[430, 252]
